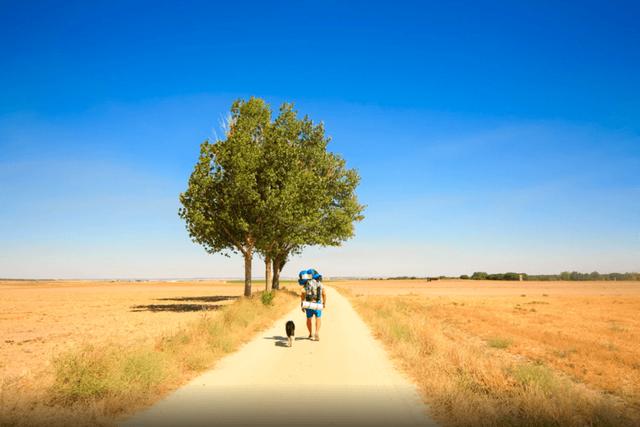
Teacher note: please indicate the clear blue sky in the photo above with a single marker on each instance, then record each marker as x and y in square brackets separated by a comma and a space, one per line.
[494, 136]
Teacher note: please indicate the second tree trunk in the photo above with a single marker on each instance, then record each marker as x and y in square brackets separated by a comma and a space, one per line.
[267, 274]
[248, 257]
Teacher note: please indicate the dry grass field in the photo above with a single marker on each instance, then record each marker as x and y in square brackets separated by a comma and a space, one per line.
[39, 320]
[513, 353]
[89, 352]
[482, 353]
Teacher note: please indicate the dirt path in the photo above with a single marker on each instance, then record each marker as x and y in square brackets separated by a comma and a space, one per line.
[344, 379]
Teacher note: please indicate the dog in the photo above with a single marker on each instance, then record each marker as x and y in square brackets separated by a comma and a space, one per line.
[291, 332]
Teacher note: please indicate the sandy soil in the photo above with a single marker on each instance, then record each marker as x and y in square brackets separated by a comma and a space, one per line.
[344, 379]
[38, 320]
[486, 287]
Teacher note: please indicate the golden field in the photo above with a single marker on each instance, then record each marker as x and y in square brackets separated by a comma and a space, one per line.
[88, 353]
[482, 353]
[512, 353]
[39, 320]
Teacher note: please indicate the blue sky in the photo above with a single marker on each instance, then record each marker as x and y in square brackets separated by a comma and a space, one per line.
[489, 135]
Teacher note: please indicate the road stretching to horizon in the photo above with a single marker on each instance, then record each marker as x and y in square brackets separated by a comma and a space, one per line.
[346, 378]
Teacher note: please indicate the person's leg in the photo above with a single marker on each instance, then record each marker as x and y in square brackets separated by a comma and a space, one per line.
[309, 323]
[318, 324]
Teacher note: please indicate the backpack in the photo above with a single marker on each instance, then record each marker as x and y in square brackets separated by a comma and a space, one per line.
[313, 291]
[305, 275]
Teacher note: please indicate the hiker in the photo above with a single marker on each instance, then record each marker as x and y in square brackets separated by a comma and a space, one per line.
[313, 292]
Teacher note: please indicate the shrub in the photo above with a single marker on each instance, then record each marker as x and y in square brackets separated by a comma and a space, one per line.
[267, 297]
[511, 276]
[501, 343]
[535, 376]
[83, 375]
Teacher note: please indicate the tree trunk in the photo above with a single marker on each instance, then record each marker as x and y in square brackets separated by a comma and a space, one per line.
[278, 265]
[267, 273]
[248, 257]
[276, 275]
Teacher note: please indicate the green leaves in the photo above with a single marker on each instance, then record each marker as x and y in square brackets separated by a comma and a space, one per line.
[270, 186]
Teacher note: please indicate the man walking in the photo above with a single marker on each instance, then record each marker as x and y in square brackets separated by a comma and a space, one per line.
[313, 292]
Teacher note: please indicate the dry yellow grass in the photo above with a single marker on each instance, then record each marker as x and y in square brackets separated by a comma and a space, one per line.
[555, 358]
[98, 382]
[41, 319]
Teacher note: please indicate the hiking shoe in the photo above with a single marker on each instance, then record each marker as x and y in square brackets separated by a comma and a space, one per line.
[310, 337]
[317, 337]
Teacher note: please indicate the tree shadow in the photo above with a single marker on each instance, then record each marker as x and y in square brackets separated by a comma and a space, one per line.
[185, 308]
[176, 308]
[208, 298]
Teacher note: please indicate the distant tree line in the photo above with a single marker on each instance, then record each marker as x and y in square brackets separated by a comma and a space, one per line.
[565, 275]
[427, 278]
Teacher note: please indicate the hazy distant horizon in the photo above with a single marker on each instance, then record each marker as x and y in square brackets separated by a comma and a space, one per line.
[258, 278]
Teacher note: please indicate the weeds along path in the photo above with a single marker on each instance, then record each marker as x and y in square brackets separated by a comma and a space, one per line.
[344, 379]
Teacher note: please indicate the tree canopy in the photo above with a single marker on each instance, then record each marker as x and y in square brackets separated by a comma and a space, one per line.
[314, 200]
[270, 187]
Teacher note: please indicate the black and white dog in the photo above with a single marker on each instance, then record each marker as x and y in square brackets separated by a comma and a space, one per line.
[291, 332]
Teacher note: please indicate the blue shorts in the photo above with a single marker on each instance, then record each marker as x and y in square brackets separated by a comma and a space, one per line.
[311, 313]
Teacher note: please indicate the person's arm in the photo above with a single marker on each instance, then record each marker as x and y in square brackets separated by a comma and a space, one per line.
[324, 298]
[301, 300]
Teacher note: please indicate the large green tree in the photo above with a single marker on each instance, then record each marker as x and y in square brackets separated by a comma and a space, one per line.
[222, 204]
[313, 193]
[269, 187]
[282, 163]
